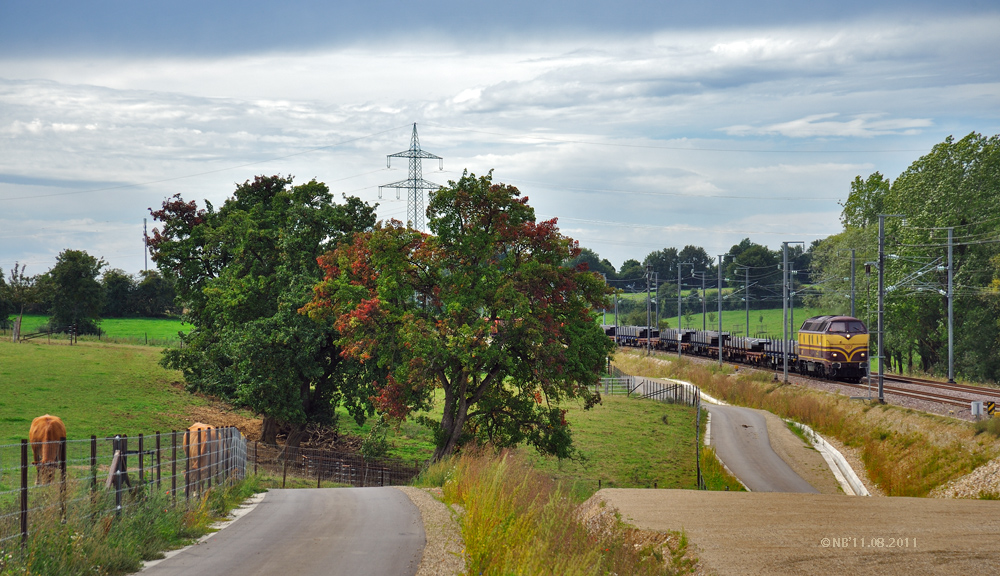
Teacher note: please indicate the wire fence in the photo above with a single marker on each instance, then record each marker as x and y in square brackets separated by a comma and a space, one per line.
[672, 393]
[343, 468]
[109, 475]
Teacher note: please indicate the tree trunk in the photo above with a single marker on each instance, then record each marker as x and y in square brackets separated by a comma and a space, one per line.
[269, 431]
[295, 435]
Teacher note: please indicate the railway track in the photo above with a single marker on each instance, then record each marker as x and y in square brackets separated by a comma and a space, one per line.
[982, 391]
[931, 396]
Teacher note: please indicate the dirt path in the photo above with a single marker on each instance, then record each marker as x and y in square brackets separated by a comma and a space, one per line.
[774, 533]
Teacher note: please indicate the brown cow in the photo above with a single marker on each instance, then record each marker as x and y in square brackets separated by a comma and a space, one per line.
[45, 433]
[198, 450]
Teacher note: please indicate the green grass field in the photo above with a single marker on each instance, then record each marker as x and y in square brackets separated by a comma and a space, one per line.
[157, 331]
[628, 443]
[102, 389]
[95, 388]
[734, 321]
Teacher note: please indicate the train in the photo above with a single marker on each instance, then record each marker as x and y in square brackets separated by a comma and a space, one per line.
[834, 347]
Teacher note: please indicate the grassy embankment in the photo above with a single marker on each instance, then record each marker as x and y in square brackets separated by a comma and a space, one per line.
[505, 500]
[905, 452]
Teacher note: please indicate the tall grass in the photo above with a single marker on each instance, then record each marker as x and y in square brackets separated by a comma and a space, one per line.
[905, 452]
[715, 475]
[94, 541]
[517, 521]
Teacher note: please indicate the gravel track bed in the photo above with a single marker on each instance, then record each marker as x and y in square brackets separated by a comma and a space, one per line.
[931, 406]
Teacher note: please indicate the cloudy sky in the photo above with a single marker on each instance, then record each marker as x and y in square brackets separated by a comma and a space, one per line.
[638, 124]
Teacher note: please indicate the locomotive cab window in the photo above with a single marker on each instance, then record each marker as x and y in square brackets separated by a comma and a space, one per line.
[847, 327]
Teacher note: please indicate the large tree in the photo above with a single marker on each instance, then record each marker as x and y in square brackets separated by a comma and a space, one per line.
[482, 309]
[765, 277]
[242, 272]
[19, 292]
[75, 294]
[956, 185]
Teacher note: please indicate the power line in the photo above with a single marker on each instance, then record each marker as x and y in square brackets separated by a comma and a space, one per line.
[216, 171]
[673, 148]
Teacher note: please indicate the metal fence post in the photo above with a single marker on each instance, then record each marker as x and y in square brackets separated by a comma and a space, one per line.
[93, 463]
[24, 493]
[157, 459]
[142, 476]
[187, 464]
[116, 448]
[62, 478]
[173, 465]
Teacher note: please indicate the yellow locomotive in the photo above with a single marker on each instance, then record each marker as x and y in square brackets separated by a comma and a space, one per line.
[834, 347]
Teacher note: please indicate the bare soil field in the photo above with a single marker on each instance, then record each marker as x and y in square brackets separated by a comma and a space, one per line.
[773, 533]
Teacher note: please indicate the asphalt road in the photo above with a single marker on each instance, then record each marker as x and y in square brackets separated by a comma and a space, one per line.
[328, 531]
[739, 436]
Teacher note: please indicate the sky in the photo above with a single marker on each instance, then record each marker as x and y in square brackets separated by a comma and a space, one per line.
[639, 125]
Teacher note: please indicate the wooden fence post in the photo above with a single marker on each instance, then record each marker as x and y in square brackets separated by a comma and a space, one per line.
[24, 494]
[198, 449]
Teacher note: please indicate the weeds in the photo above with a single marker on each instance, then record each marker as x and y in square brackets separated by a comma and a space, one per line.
[990, 425]
[94, 541]
[541, 529]
[715, 475]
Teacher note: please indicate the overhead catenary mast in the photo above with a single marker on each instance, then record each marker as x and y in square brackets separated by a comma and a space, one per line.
[415, 184]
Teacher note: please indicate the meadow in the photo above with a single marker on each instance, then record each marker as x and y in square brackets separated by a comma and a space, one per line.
[155, 331]
[95, 387]
[762, 322]
[102, 388]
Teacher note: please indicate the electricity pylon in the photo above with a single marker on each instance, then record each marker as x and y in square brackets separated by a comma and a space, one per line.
[415, 184]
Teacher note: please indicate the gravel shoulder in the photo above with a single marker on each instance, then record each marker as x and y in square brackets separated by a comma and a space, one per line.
[781, 533]
[800, 457]
[444, 552]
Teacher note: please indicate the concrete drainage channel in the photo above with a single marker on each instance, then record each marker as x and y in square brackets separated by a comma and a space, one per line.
[842, 471]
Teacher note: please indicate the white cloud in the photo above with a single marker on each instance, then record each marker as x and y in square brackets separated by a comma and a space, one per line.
[681, 133]
[823, 125]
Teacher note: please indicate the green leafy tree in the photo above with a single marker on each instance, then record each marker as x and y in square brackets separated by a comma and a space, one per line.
[154, 295]
[119, 288]
[633, 272]
[865, 202]
[594, 263]
[765, 277]
[19, 292]
[242, 272]
[6, 305]
[956, 185]
[482, 309]
[74, 291]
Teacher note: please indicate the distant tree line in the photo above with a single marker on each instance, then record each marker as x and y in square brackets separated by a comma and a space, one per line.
[747, 267]
[77, 292]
